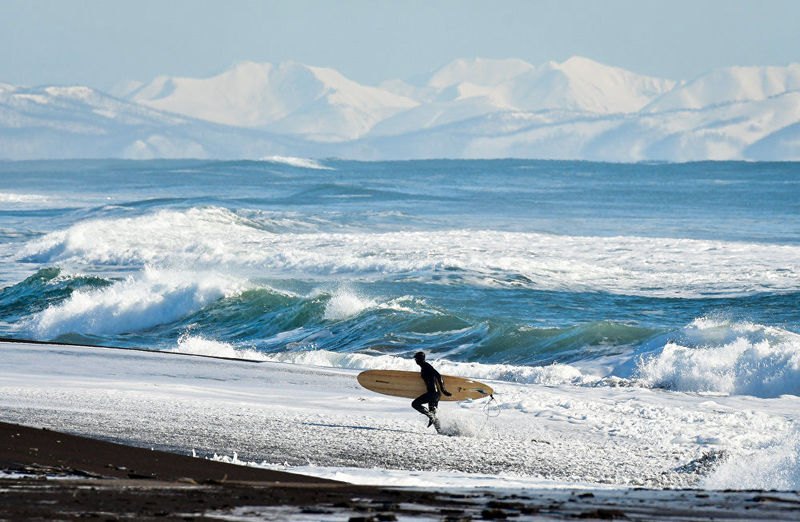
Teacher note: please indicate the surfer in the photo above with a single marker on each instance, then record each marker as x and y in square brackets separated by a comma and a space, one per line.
[433, 380]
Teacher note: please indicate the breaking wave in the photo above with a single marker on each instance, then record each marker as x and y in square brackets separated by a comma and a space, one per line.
[210, 313]
[154, 307]
[346, 304]
[292, 161]
[715, 355]
[139, 302]
[738, 359]
[199, 345]
[214, 238]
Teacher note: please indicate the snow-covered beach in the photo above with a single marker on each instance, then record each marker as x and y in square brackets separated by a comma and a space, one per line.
[318, 421]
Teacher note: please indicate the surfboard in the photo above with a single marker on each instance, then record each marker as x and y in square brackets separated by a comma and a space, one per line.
[401, 383]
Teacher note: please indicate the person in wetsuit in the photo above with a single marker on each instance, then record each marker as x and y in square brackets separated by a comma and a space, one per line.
[434, 384]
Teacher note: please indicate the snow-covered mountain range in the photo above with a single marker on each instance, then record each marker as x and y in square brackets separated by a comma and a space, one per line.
[476, 108]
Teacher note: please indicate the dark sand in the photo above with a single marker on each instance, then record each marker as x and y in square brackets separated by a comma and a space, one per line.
[46, 475]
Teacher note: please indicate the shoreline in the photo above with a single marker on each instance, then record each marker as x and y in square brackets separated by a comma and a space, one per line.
[47, 474]
[132, 348]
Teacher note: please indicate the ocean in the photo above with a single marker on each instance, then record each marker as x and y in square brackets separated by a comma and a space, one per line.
[681, 281]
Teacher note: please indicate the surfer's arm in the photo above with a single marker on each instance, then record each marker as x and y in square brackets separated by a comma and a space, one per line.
[440, 382]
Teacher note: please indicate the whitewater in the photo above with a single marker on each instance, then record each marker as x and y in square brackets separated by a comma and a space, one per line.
[639, 323]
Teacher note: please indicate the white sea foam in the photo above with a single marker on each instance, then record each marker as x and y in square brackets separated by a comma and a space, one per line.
[9, 197]
[416, 479]
[305, 163]
[772, 466]
[200, 345]
[186, 238]
[346, 303]
[150, 298]
[711, 355]
[212, 238]
[550, 375]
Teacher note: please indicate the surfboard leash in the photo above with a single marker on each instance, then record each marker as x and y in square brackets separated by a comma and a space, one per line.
[488, 410]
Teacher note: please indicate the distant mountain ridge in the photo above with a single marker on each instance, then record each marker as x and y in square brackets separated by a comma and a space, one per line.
[470, 108]
[289, 98]
[730, 85]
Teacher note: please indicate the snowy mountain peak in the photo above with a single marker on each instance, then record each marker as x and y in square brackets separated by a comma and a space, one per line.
[729, 85]
[478, 71]
[6, 87]
[583, 62]
[585, 85]
[290, 98]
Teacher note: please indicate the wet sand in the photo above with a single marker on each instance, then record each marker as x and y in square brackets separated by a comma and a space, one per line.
[47, 475]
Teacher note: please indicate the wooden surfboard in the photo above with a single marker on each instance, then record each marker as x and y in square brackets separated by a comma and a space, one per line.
[410, 385]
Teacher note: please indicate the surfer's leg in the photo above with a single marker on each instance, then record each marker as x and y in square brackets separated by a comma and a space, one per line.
[417, 404]
[433, 404]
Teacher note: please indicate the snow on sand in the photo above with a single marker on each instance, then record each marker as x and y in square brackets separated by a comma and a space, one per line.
[318, 420]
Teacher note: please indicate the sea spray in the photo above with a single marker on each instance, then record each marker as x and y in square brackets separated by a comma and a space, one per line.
[344, 303]
[199, 345]
[293, 161]
[456, 423]
[774, 466]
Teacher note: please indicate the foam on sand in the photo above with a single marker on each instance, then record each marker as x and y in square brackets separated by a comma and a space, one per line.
[200, 345]
[415, 479]
[772, 466]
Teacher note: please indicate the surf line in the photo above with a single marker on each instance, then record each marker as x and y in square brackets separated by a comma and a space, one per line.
[7, 340]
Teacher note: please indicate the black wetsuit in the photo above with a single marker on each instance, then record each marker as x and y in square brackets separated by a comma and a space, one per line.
[432, 378]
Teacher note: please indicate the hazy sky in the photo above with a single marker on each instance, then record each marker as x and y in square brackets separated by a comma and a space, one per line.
[102, 42]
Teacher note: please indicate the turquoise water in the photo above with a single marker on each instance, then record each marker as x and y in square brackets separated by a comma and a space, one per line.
[508, 261]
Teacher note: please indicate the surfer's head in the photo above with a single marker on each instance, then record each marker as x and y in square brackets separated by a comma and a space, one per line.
[419, 357]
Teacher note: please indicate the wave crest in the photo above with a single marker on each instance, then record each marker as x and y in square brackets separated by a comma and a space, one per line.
[13, 197]
[293, 161]
[346, 303]
[712, 355]
[153, 297]
[213, 238]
